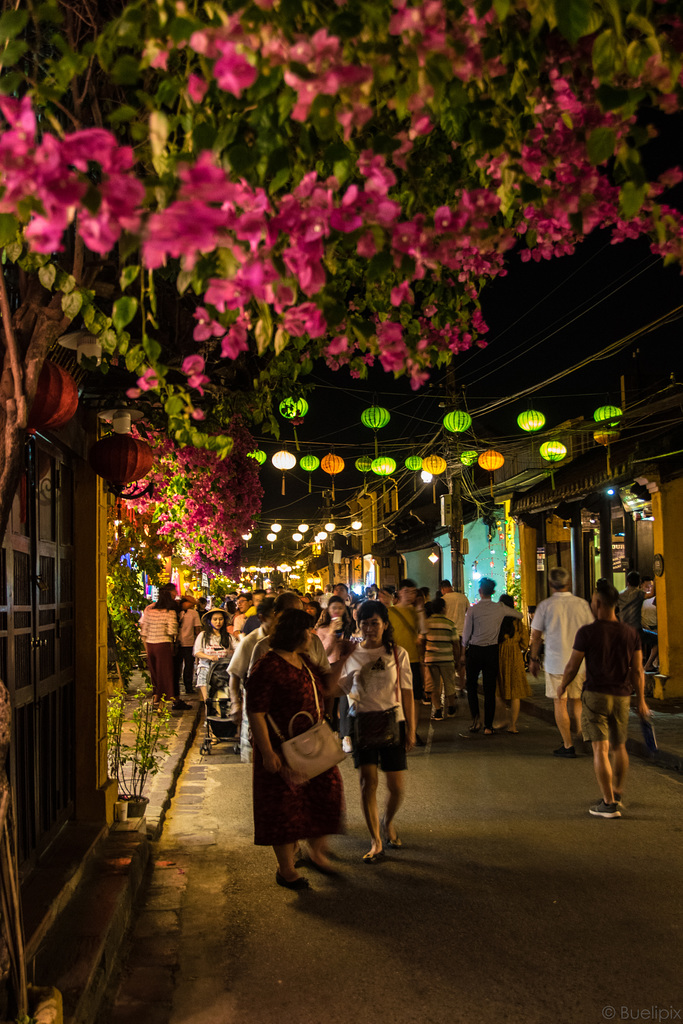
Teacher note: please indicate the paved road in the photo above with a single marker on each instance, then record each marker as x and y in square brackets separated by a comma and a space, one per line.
[508, 903]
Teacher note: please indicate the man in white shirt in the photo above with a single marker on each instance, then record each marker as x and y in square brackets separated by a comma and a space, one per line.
[559, 618]
[456, 605]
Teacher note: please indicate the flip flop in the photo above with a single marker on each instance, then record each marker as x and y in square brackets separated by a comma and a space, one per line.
[373, 858]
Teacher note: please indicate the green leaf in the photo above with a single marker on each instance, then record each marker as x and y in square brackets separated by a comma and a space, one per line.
[122, 114]
[631, 199]
[123, 312]
[203, 136]
[10, 83]
[502, 8]
[379, 266]
[128, 275]
[8, 228]
[600, 145]
[71, 304]
[126, 70]
[574, 18]
[13, 251]
[47, 275]
[181, 28]
[611, 98]
[12, 23]
[241, 158]
[605, 54]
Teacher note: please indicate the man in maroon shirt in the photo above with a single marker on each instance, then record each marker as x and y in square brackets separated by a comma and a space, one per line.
[614, 668]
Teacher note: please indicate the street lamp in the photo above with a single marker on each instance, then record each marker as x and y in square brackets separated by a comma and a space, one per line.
[303, 527]
[271, 537]
[275, 527]
[246, 536]
[297, 537]
[330, 527]
[356, 525]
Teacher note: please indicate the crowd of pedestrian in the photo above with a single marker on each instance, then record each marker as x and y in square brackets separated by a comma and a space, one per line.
[277, 662]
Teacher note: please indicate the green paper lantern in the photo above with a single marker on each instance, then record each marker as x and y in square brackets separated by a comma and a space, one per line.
[383, 466]
[531, 420]
[259, 455]
[310, 463]
[457, 421]
[553, 451]
[413, 462]
[375, 417]
[293, 409]
[608, 415]
[469, 458]
[364, 464]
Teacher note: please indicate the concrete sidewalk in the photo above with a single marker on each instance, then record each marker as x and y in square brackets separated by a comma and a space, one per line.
[76, 933]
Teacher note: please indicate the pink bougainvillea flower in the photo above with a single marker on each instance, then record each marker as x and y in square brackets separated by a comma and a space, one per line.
[402, 293]
[338, 345]
[206, 327]
[149, 380]
[232, 70]
[305, 319]
[196, 88]
[198, 414]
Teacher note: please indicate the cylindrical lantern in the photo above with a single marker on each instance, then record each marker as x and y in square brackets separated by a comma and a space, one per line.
[553, 451]
[56, 399]
[284, 460]
[468, 458]
[332, 464]
[364, 464]
[531, 420]
[121, 458]
[375, 417]
[310, 463]
[413, 462]
[457, 421]
[608, 415]
[434, 464]
[259, 455]
[383, 466]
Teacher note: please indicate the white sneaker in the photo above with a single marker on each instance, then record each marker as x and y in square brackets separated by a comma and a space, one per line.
[347, 745]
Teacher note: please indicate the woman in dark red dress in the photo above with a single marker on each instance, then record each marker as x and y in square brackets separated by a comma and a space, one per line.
[280, 685]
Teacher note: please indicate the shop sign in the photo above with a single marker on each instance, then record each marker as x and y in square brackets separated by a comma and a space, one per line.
[540, 559]
[658, 565]
[205, 581]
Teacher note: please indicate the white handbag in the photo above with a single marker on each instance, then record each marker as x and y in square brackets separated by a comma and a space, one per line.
[312, 752]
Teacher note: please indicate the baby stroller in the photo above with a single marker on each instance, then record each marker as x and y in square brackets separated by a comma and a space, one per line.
[213, 681]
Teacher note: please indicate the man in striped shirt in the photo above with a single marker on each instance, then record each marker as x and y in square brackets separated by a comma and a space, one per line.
[440, 645]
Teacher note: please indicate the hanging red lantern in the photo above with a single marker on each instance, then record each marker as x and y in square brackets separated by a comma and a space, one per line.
[56, 399]
[121, 458]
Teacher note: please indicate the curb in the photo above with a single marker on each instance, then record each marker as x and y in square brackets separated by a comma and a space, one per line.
[164, 784]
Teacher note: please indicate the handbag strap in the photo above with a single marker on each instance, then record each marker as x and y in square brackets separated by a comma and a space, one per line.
[302, 712]
[398, 676]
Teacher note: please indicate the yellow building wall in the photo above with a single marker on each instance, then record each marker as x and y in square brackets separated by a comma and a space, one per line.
[527, 552]
[668, 542]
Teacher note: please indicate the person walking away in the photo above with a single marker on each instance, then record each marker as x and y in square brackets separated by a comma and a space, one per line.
[614, 668]
[376, 676]
[558, 618]
[159, 629]
[239, 669]
[513, 641]
[480, 652]
[456, 609]
[189, 628]
[441, 648]
[284, 683]
[407, 622]
[631, 600]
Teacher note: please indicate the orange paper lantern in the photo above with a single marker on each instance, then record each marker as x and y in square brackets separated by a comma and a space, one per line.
[332, 464]
[491, 460]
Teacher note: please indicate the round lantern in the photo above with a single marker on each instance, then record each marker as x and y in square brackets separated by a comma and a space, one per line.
[284, 460]
[364, 464]
[434, 464]
[553, 451]
[457, 421]
[310, 463]
[491, 460]
[531, 420]
[332, 464]
[468, 458]
[383, 466]
[259, 455]
[608, 415]
[293, 409]
[606, 436]
[375, 417]
[413, 462]
[121, 458]
[56, 399]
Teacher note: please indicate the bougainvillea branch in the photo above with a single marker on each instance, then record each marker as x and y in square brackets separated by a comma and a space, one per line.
[338, 181]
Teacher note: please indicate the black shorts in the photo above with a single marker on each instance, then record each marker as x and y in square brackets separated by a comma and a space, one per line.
[418, 685]
[389, 759]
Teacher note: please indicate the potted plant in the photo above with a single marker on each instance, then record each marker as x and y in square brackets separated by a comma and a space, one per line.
[136, 745]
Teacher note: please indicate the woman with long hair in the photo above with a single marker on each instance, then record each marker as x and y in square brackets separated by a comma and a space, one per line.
[159, 629]
[213, 650]
[377, 678]
[283, 683]
[513, 641]
[335, 626]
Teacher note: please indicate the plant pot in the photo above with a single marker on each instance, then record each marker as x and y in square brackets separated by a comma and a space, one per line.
[137, 805]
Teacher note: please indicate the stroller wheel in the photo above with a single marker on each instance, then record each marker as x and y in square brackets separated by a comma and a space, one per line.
[205, 747]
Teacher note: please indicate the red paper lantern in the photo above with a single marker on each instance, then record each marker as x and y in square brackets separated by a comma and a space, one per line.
[121, 458]
[56, 398]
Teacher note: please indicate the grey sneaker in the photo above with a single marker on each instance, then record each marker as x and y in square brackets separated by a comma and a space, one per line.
[603, 810]
[564, 752]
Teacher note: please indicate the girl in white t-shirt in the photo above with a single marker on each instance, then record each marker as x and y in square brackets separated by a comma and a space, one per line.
[376, 676]
[213, 650]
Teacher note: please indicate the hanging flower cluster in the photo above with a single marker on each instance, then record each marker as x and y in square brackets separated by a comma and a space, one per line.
[202, 503]
[339, 185]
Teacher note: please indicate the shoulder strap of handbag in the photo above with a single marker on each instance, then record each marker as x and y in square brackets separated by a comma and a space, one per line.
[398, 676]
[317, 705]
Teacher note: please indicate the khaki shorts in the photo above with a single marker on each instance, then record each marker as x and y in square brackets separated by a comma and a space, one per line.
[604, 717]
[552, 685]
